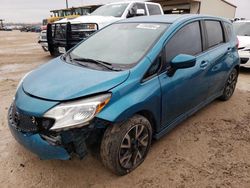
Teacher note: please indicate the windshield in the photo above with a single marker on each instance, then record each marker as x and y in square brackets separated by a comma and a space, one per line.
[120, 44]
[242, 28]
[115, 10]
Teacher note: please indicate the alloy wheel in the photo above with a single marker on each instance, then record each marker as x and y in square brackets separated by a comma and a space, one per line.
[133, 148]
[231, 84]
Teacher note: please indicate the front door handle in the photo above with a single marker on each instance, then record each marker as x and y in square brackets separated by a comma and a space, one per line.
[204, 64]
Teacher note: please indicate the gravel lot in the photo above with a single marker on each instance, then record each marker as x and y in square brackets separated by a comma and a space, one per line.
[210, 149]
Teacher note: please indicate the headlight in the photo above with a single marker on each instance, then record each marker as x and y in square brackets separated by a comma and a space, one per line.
[78, 113]
[91, 26]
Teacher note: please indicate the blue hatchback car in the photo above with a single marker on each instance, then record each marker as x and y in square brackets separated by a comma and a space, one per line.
[127, 84]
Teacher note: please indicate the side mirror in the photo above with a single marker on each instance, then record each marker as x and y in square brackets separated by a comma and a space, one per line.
[183, 61]
[140, 12]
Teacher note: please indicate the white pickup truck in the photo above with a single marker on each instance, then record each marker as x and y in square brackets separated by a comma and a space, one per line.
[64, 34]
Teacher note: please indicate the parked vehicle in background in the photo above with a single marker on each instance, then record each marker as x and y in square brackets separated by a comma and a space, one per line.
[128, 83]
[43, 40]
[31, 28]
[7, 28]
[242, 30]
[64, 34]
[68, 13]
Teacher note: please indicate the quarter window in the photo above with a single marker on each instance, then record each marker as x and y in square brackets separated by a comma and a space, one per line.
[229, 31]
[186, 41]
[153, 70]
[214, 33]
[153, 9]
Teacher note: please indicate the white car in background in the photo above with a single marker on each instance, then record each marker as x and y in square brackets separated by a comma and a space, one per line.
[43, 40]
[242, 30]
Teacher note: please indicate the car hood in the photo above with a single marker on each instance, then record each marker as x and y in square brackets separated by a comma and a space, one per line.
[90, 19]
[60, 81]
[244, 41]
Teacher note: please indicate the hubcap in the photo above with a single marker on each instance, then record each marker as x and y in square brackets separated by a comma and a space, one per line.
[231, 83]
[134, 146]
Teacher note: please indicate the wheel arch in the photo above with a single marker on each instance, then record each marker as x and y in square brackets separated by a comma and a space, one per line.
[237, 67]
[150, 117]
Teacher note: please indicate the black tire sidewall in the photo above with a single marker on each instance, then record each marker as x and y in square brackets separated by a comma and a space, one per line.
[224, 96]
[112, 139]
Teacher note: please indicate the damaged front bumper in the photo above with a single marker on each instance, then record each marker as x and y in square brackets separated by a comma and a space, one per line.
[39, 146]
[45, 144]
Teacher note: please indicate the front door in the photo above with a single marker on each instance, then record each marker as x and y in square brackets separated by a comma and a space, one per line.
[186, 88]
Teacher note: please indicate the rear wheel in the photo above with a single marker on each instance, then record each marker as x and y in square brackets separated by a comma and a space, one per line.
[230, 85]
[124, 147]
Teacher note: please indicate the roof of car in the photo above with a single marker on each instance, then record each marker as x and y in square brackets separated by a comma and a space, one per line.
[242, 21]
[121, 2]
[170, 18]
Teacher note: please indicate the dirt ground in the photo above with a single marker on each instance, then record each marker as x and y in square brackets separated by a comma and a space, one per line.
[210, 149]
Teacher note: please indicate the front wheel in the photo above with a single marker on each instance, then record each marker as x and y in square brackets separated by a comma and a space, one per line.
[124, 147]
[230, 85]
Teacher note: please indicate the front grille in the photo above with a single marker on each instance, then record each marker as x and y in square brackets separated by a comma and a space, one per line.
[59, 31]
[28, 124]
[77, 33]
[80, 35]
[44, 37]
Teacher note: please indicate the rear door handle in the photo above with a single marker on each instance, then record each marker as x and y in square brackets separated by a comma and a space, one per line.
[204, 64]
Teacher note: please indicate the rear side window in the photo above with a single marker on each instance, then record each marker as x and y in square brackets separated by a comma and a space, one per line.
[186, 41]
[229, 31]
[153, 9]
[214, 33]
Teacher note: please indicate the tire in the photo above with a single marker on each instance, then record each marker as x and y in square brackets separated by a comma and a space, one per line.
[54, 53]
[125, 146]
[230, 85]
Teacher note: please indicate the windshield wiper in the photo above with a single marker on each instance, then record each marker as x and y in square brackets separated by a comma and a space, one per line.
[98, 62]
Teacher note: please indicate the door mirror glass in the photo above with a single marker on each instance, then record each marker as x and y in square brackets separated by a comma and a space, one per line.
[183, 61]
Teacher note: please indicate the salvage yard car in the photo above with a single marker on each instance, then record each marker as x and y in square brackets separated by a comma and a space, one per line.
[242, 30]
[43, 40]
[66, 33]
[150, 74]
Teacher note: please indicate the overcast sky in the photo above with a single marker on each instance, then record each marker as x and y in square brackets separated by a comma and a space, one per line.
[36, 10]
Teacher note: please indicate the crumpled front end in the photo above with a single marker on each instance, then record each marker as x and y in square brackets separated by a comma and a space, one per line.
[34, 134]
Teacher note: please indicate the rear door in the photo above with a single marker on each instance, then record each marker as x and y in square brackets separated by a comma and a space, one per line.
[186, 88]
[220, 56]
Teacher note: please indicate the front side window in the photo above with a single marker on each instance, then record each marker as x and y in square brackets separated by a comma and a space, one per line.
[115, 10]
[153, 9]
[214, 33]
[120, 44]
[186, 41]
[242, 28]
